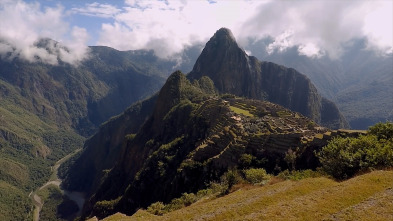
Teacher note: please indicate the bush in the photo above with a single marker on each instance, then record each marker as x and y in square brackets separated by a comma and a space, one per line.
[156, 208]
[230, 178]
[344, 157]
[256, 176]
[382, 130]
[246, 160]
[339, 158]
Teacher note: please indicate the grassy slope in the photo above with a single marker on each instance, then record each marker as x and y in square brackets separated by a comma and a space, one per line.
[366, 197]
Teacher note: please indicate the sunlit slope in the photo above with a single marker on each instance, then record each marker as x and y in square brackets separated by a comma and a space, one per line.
[366, 197]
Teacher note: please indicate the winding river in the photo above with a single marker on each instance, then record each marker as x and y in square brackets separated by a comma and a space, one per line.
[54, 179]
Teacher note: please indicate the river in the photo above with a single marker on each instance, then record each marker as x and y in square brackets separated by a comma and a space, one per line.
[54, 179]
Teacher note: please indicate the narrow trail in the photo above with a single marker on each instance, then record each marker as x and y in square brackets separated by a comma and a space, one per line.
[54, 180]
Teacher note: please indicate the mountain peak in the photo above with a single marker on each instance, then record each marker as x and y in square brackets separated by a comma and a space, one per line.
[224, 33]
[222, 40]
[234, 72]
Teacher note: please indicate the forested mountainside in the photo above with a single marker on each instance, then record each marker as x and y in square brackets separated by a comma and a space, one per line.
[360, 81]
[46, 111]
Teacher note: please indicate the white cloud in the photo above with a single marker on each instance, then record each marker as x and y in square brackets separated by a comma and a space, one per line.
[322, 26]
[23, 25]
[168, 27]
[98, 10]
[316, 27]
[378, 26]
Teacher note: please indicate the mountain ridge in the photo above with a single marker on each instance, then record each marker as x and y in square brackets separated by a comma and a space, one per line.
[233, 71]
[190, 139]
[360, 82]
[191, 134]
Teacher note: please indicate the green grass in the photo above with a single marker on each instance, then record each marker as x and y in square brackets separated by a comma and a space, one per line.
[241, 111]
[365, 197]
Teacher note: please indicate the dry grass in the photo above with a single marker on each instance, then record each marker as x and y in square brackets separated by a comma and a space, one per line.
[366, 197]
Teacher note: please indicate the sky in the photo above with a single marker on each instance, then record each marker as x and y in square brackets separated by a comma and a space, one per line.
[316, 27]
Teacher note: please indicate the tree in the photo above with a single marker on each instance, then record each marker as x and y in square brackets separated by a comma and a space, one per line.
[382, 130]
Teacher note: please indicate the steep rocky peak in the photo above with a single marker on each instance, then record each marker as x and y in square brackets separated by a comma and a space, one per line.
[234, 72]
[223, 36]
[222, 42]
[223, 61]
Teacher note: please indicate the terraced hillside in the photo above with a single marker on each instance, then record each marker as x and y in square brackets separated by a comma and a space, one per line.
[191, 138]
[365, 197]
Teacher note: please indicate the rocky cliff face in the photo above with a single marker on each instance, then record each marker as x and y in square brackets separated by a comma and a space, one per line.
[234, 72]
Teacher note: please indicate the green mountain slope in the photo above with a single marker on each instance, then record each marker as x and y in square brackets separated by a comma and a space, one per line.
[47, 111]
[366, 197]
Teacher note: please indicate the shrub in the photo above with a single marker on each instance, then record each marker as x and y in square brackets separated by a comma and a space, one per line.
[156, 208]
[256, 176]
[188, 199]
[344, 157]
[382, 130]
[229, 179]
[339, 158]
[246, 160]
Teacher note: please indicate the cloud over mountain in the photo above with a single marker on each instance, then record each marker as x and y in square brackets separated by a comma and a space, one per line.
[318, 28]
[25, 25]
[168, 27]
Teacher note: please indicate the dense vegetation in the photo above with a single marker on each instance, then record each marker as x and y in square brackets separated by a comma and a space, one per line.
[343, 157]
[47, 111]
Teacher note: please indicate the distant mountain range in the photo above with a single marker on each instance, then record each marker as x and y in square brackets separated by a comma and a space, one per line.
[360, 82]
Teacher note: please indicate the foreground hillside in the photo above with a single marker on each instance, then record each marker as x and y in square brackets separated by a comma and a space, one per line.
[365, 197]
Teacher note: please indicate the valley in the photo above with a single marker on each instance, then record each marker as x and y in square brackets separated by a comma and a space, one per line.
[55, 181]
